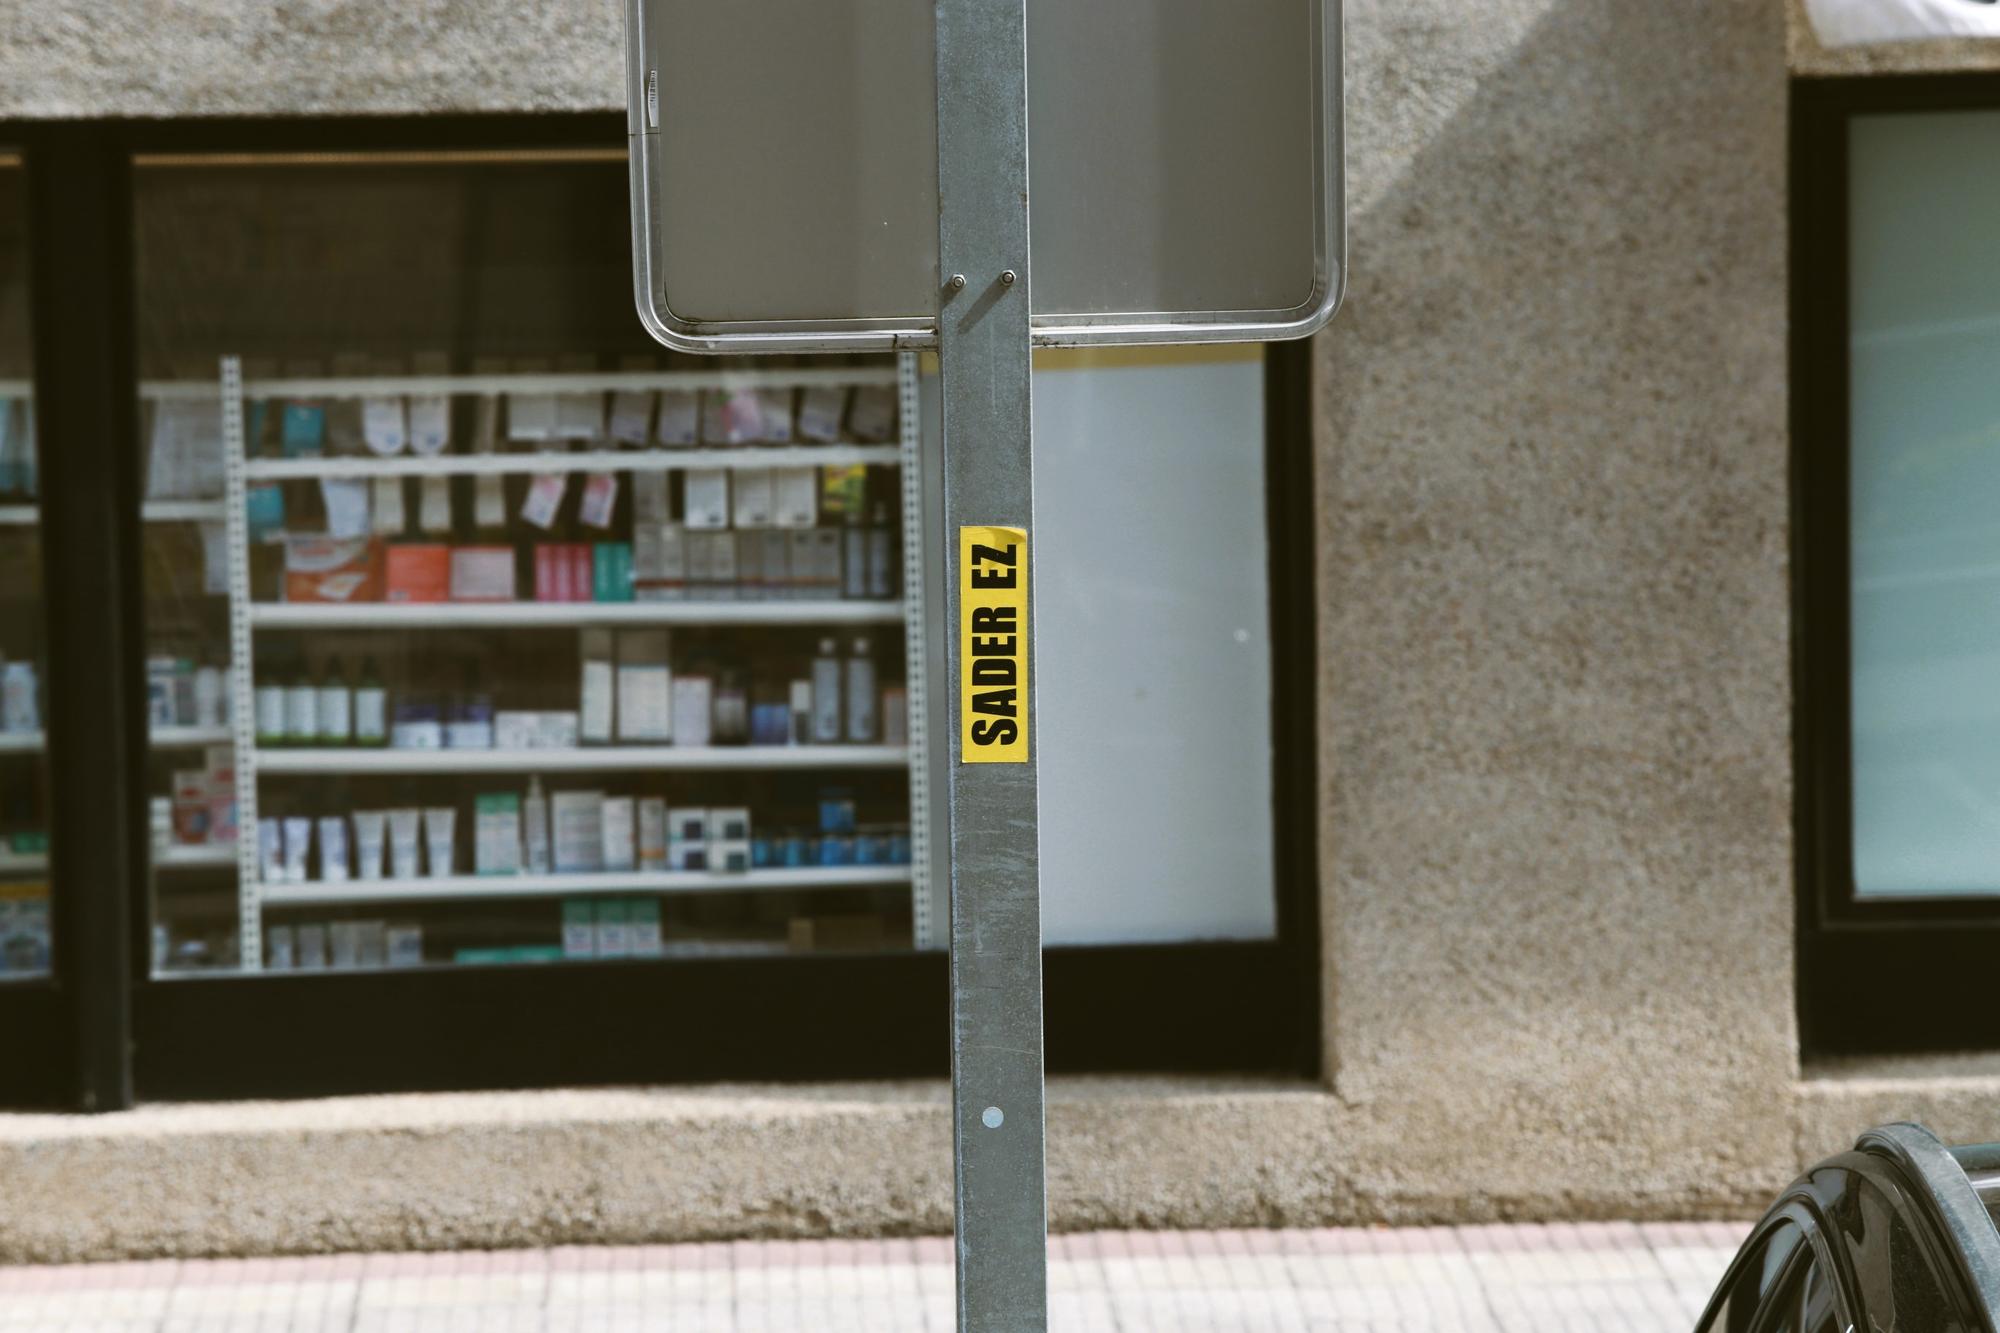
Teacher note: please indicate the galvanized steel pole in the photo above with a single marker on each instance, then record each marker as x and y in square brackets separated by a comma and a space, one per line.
[996, 941]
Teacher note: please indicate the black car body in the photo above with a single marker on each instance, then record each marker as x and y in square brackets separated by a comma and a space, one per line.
[1897, 1236]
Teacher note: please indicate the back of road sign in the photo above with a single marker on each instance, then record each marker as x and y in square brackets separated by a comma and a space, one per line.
[1185, 171]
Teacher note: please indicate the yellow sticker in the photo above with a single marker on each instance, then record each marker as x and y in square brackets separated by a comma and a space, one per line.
[993, 645]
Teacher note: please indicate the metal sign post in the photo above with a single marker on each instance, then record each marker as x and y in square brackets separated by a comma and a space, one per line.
[793, 162]
[984, 351]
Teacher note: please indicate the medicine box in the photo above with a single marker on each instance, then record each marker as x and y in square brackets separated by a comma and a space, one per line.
[482, 574]
[645, 687]
[728, 822]
[327, 569]
[643, 928]
[614, 938]
[417, 572]
[687, 823]
[579, 932]
[705, 497]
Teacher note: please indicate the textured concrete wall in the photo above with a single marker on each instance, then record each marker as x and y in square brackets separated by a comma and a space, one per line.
[1554, 646]
[1557, 874]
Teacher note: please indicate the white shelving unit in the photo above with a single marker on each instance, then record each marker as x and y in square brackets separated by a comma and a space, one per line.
[14, 864]
[190, 738]
[22, 742]
[315, 894]
[247, 618]
[503, 615]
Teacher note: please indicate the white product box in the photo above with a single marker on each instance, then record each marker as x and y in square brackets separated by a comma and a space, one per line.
[820, 411]
[344, 943]
[496, 834]
[649, 498]
[694, 704]
[598, 683]
[722, 565]
[776, 563]
[732, 856]
[311, 947]
[687, 823]
[617, 833]
[687, 856]
[706, 497]
[558, 731]
[801, 562]
[756, 497]
[679, 420]
[371, 943]
[795, 497]
[645, 687]
[516, 730]
[826, 562]
[279, 952]
[750, 565]
[728, 823]
[579, 929]
[577, 818]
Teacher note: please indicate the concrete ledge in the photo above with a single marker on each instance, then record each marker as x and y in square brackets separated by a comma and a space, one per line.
[662, 1165]
[1958, 1096]
[502, 1170]
[1945, 56]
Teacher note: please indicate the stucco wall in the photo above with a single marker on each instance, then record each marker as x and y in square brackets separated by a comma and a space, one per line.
[1554, 646]
[1551, 449]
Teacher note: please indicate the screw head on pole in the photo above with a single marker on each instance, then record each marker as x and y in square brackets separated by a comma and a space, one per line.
[956, 282]
[1007, 278]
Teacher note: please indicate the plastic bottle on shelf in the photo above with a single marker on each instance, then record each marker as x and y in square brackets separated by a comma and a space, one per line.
[535, 828]
[271, 712]
[336, 705]
[861, 695]
[371, 707]
[302, 709]
[881, 583]
[826, 694]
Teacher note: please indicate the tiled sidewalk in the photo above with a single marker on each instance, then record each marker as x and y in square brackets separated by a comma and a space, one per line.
[1548, 1279]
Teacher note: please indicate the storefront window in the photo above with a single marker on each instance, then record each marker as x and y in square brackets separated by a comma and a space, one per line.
[24, 803]
[480, 632]
[1924, 338]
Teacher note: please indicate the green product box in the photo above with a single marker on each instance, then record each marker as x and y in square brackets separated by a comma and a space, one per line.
[643, 928]
[611, 572]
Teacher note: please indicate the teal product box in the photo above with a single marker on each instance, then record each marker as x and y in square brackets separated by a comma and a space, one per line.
[614, 928]
[644, 928]
[611, 572]
[579, 928]
[302, 430]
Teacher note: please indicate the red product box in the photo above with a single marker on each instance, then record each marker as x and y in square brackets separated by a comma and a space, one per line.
[545, 574]
[582, 573]
[418, 572]
[482, 574]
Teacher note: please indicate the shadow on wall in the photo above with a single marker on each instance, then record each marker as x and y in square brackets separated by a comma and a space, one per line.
[1555, 624]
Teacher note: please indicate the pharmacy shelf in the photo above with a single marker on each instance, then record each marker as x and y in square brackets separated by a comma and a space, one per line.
[189, 738]
[502, 615]
[184, 511]
[595, 759]
[208, 856]
[163, 738]
[154, 511]
[421, 386]
[551, 886]
[23, 863]
[590, 460]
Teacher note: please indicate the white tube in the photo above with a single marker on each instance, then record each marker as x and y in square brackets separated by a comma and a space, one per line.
[438, 826]
[333, 849]
[368, 829]
[403, 844]
[298, 846]
[271, 851]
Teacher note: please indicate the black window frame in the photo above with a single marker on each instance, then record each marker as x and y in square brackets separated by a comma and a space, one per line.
[1873, 976]
[121, 1034]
